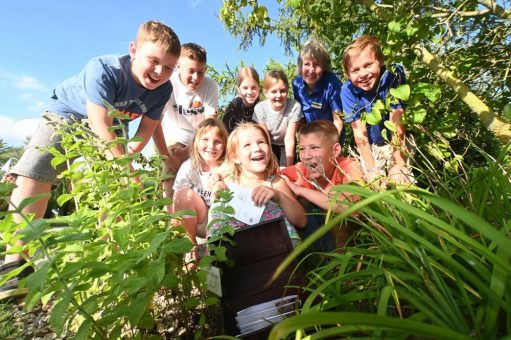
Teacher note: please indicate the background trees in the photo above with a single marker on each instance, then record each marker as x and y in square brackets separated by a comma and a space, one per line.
[457, 53]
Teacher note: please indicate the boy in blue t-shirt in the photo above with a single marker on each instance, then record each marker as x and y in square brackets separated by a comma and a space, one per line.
[136, 84]
[316, 87]
[369, 81]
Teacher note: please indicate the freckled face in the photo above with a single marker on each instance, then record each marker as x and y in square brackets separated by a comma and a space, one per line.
[317, 153]
[151, 65]
[364, 70]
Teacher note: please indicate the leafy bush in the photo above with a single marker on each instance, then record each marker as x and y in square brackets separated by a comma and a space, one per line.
[102, 265]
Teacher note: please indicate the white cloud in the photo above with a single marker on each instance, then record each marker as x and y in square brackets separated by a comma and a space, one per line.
[14, 132]
[194, 3]
[37, 106]
[24, 82]
[21, 81]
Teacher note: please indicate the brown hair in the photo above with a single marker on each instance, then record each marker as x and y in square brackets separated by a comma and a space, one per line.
[272, 76]
[321, 128]
[194, 51]
[314, 49]
[202, 128]
[360, 44]
[246, 72]
[233, 146]
[158, 32]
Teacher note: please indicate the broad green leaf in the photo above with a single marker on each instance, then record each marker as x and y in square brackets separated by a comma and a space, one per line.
[138, 307]
[419, 115]
[390, 126]
[30, 200]
[34, 230]
[394, 26]
[373, 118]
[430, 91]
[178, 246]
[58, 315]
[506, 110]
[83, 332]
[402, 92]
[64, 198]
[57, 160]
[38, 278]
[157, 271]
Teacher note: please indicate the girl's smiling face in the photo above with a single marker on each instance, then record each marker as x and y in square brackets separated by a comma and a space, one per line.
[211, 146]
[253, 151]
[277, 95]
[249, 91]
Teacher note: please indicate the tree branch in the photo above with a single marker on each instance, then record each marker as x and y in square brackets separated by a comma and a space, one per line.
[496, 9]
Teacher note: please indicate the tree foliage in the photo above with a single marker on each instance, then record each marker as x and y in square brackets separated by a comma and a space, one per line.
[457, 54]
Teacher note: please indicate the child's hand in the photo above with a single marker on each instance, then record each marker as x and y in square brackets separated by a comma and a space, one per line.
[217, 184]
[262, 194]
[295, 188]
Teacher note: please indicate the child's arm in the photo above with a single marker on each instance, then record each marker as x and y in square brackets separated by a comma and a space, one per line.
[316, 197]
[161, 146]
[336, 119]
[283, 196]
[395, 118]
[362, 141]
[145, 130]
[290, 143]
[99, 122]
[211, 100]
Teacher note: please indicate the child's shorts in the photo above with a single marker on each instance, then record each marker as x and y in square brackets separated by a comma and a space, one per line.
[35, 163]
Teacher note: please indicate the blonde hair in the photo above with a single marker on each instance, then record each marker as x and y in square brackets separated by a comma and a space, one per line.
[233, 146]
[202, 128]
[157, 32]
[315, 49]
[360, 44]
[195, 52]
[322, 129]
[246, 72]
[272, 76]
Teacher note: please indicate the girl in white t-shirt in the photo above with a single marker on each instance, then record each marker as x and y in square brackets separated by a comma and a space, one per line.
[280, 116]
[192, 186]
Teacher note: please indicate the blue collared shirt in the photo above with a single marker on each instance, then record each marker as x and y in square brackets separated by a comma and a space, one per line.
[355, 101]
[324, 99]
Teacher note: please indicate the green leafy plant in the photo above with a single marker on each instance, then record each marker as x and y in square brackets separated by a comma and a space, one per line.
[425, 263]
[103, 265]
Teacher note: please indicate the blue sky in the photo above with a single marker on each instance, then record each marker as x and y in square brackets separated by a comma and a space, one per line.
[47, 41]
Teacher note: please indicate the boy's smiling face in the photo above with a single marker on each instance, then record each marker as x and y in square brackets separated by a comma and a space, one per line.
[317, 153]
[191, 72]
[151, 65]
[364, 70]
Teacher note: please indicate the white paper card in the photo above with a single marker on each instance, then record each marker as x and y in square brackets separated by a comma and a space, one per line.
[213, 281]
[244, 208]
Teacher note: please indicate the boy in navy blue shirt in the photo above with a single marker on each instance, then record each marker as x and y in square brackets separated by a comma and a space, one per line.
[369, 81]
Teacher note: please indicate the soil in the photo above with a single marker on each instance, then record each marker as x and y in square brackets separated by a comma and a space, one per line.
[18, 323]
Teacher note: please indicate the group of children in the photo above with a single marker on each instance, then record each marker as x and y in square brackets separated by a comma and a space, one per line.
[254, 146]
